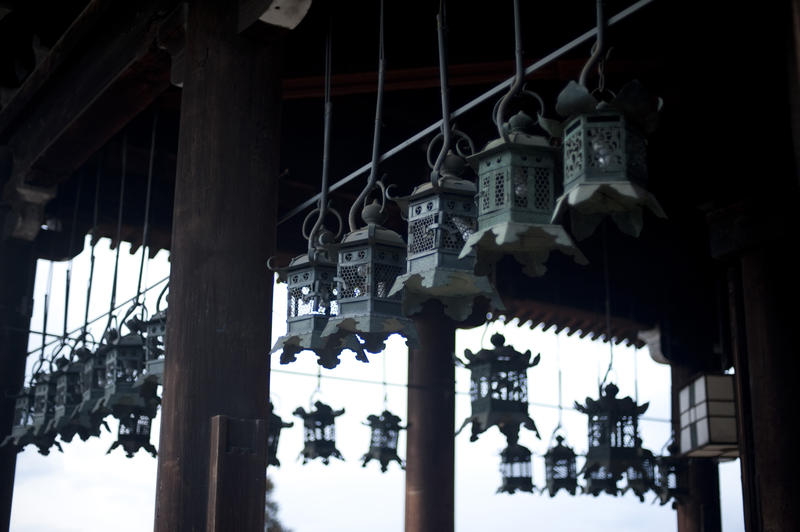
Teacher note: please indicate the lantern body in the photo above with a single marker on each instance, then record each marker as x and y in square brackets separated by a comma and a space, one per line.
[22, 429]
[274, 427]
[125, 363]
[708, 417]
[561, 469]
[516, 191]
[668, 481]
[384, 435]
[156, 331]
[515, 468]
[134, 433]
[613, 435]
[499, 388]
[44, 403]
[440, 220]
[599, 480]
[370, 260]
[93, 383]
[69, 419]
[641, 474]
[319, 433]
[603, 147]
[311, 302]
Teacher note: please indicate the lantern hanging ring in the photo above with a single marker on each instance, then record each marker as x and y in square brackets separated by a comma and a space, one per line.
[315, 235]
[161, 297]
[463, 151]
[599, 46]
[376, 137]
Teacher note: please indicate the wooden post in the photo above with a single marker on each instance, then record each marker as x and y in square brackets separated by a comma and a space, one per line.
[17, 271]
[220, 288]
[430, 454]
[700, 512]
[770, 292]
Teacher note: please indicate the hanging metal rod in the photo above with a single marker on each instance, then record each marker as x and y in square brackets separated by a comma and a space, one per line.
[633, 8]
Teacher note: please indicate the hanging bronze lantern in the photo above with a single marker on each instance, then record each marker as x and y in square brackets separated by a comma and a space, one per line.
[561, 470]
[613, 439]
[384, 433]
[670, 472]
[499, 388]
[125, 364]
[319, 427]
[641, 473]
[93, 383]
[43, 411]
[134, 433]
[515, 466]
[69, 419]
[442, 215]
[22, 429]
[153, 332]
[274, 427]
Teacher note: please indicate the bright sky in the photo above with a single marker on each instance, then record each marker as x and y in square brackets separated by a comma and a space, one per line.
[85, 490]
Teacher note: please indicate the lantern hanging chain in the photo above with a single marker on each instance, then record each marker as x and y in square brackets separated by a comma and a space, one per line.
[68, 277]
[113, 302]
[146, 224]
[560, 396]
[316, 391]
[441, 29]
[385, 386]
[322, 206]
[636, 376]
[39, 363]
[519, 75]
[376, 137]
[606, 284]
[598, 49]
[93, 244]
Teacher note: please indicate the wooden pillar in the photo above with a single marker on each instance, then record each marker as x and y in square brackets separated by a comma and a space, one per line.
[700, 511]
[17, 271]
[770, 292]
[220, 288]
[430, 454]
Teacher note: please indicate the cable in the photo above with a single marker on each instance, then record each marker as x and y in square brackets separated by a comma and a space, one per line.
[470, 105]
[113, 301]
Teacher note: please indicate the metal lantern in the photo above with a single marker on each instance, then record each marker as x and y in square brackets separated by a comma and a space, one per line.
[153, 332]
[319, 432]
[311, 302]
[499, 388]
[515, 468]
[370, 260]
[561, 470]
[385, 431]
[708, 417]
[516, 189]
[69, 419]
[93, 380]
[669, 478]
[641, 474]
[125, 363]
[22, 429]
[605, 158]
[134, 433]
[614, 443]
[44, 395]
[274, 427]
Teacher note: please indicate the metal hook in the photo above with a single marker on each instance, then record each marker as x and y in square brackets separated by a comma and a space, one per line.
[599, 46]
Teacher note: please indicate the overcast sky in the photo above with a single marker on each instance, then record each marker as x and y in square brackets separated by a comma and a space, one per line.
[85, 490]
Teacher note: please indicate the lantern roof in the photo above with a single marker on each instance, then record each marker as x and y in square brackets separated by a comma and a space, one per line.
[500, 353]
[609, 402]
[373, 233]
[518, 135]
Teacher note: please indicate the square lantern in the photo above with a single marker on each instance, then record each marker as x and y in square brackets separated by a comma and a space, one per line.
[515, 468]
[125, 362]
[384, 434]
[44, 402]
[155, 338]
[499, 388]
[134, 434]
[93, 381]
[274, 427]
[641, 474]
[69, 419]
[311, 302]
[319, 432]
[561, 470]
[669, 479]
[708, 417]
[440, 221]
[370, 260]
[22, 429]
[516, 191]
[614, 443]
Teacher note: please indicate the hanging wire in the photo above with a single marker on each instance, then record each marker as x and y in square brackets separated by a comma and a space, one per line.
[385, 386]
[519, 75]
[441, 29]
[606, 285]
[636, 375]
[68, 279]
[376, 137]
[93, 241]
[599, 45]
[113, 302]
[39, 363]
[560, 395]
[146, 213]
[322, 205]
